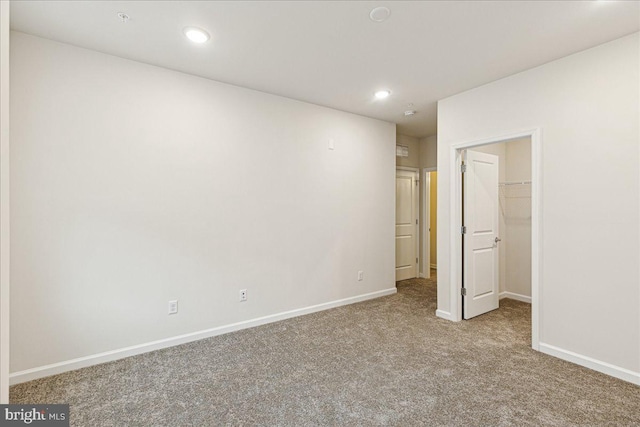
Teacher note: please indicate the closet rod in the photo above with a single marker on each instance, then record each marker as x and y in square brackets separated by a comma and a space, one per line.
[515, 183]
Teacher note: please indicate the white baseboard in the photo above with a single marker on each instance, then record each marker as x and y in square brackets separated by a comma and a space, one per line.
[445, 315]
[108, 356]
[434, 266]
[517, 297]
[588, 362]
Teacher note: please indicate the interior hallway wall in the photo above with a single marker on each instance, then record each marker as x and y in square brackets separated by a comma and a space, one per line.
[429, 152]
[4, 201]
[413, 160]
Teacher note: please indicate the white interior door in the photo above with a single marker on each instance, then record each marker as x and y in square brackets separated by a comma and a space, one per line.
[406, 225]
[480, 239]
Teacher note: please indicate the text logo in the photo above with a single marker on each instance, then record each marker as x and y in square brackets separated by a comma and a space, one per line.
[34, 415]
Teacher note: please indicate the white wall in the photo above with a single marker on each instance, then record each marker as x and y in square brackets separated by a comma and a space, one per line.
[587, 107]
[516, 200]
[134, 185]
[4, 202]
[414, 151]
[428, 152]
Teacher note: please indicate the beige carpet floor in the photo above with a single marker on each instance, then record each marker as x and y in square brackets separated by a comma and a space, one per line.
[387, 361]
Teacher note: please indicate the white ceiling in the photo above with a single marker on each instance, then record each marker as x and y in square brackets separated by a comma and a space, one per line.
[331, 53]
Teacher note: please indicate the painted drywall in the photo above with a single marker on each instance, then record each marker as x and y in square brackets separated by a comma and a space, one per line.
[516, 210]
[414, 151]
[133, 185]
[4, 202]
[428, 152]
[433, 218]
[586, 107]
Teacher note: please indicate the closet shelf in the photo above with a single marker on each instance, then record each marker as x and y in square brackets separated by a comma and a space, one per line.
[507, 183]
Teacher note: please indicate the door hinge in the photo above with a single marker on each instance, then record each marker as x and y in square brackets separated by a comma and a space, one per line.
[463, 168]
[463, 230]
[416, 222]
[463, 292]
[416, 260]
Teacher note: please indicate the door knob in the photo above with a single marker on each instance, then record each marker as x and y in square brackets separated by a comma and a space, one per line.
[498, 239]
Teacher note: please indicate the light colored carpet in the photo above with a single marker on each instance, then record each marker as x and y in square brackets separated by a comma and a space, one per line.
[387, 361]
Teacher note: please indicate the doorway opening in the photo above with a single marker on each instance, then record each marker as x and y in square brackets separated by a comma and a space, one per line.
[429, 229]
[495, 230]
[407, 223]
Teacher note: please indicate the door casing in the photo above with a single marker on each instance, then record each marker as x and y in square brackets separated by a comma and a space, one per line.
[455, 217]
[426, 221]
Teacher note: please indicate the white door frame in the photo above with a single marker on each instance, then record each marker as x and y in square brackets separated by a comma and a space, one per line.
[426, 221]
[4, 202]
[417, 208]
[455, 217]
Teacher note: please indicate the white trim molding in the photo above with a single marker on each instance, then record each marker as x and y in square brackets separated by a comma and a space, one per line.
[425, 236]
[514, 296]
[108, 356]
[446, 315]
[408, 168]
[5, 246]
[591, 363]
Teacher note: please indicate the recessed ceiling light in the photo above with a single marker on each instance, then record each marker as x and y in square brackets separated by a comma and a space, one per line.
[409, 113]
[382, 94]
[379, 14]
[196, 35]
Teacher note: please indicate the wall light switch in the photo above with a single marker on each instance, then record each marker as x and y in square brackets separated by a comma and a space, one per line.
[332, 145]
[360, 276]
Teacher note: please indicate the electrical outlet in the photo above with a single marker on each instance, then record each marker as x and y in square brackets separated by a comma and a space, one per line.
[243, 295]
[173, 306]
[360, 276]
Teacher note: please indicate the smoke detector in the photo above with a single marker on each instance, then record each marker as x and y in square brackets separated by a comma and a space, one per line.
[409, 113]
[379, 14]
